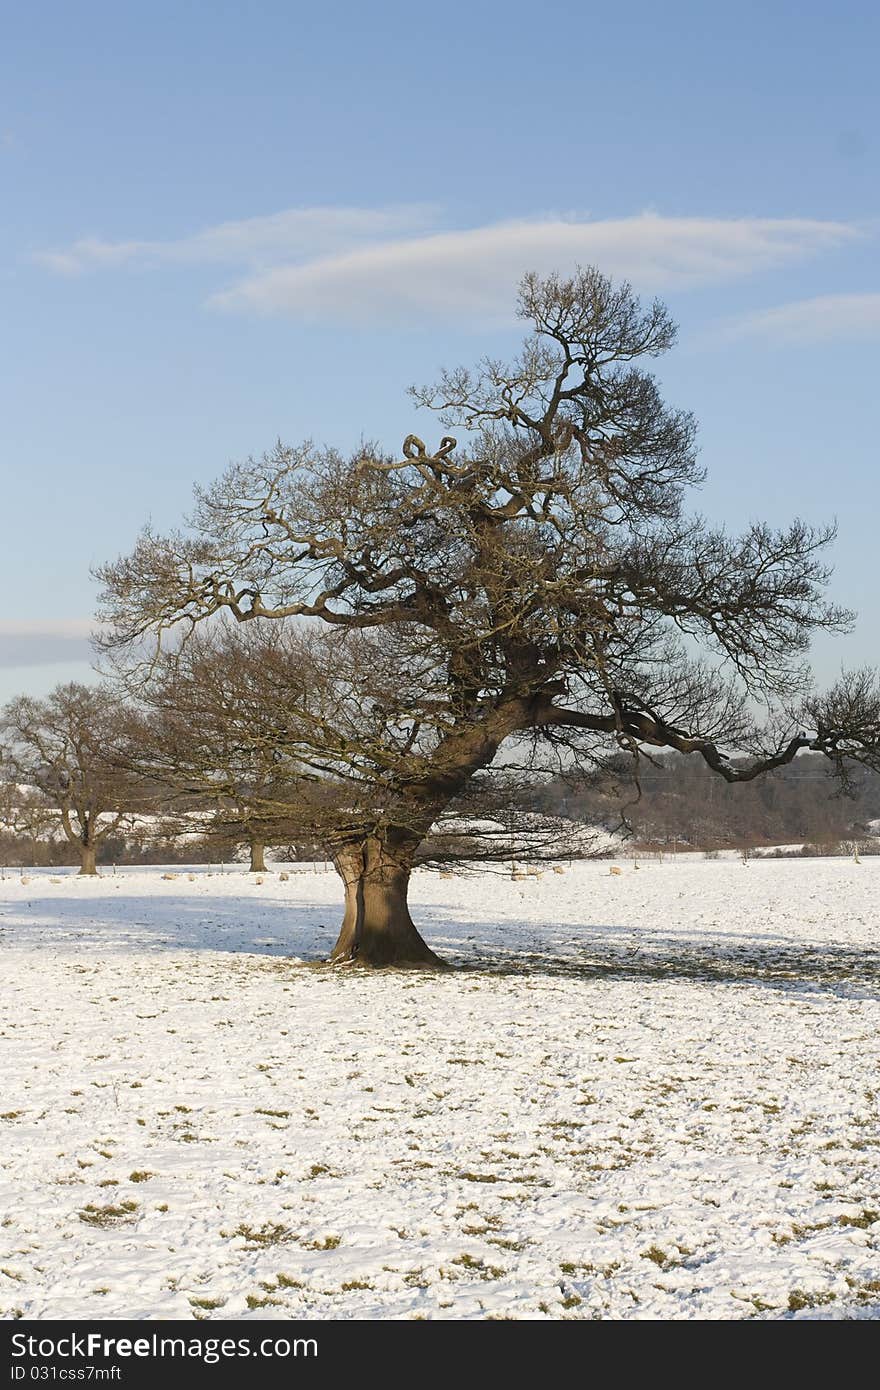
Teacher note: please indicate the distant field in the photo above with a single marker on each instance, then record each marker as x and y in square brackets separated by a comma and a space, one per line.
[652, 1094]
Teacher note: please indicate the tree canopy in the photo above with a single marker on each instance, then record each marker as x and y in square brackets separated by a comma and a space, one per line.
[534, 577]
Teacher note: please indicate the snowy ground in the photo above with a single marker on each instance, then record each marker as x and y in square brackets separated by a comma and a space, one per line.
[651, 1094]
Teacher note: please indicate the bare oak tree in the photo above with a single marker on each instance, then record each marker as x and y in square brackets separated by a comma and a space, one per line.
[62, 747]
[535, 580]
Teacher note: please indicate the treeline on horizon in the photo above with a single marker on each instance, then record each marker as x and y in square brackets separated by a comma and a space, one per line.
[675, 804]
[678, 801]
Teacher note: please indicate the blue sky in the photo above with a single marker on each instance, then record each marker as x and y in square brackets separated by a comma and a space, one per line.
[223, 224]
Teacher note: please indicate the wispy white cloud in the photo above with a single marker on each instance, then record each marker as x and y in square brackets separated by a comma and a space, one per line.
[46, 627]
[25, 642]
[396, 264]
[471, 275]
[279, 238]
[825, 318]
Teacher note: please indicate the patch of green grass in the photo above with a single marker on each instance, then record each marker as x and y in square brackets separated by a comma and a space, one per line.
[258, 1237]
[109, 1215]
[867, 1218]
[479, 1267]
[599, 1271]
[655, 1254]
[207, 1303]
[255, 1301]
[798, 1299]
[328, 1243]
[759, 1305]
[140, 1175]
[866, 1292]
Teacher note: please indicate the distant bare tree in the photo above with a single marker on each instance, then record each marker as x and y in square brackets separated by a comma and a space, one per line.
[215, 731]
[61, 748]
[26, 813]
[538, 583]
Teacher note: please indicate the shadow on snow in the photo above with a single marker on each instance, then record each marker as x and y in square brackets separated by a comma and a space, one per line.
[508, 948]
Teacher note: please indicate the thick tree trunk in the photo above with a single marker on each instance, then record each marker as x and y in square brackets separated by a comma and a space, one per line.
[258, 857]
[377, 928]
[87, 860]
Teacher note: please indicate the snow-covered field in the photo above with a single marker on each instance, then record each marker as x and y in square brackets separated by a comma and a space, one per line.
[653, 1094]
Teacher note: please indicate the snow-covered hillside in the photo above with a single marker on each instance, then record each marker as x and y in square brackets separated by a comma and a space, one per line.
[650, 1094]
